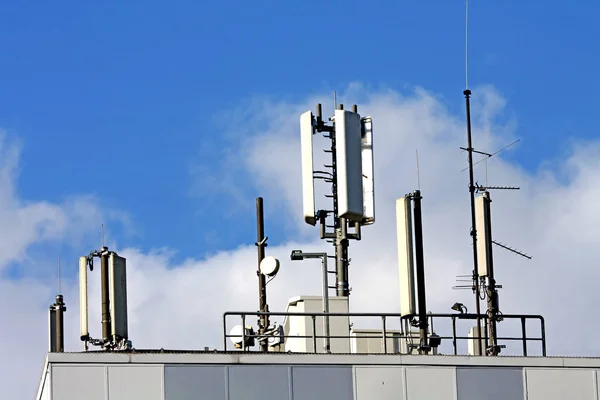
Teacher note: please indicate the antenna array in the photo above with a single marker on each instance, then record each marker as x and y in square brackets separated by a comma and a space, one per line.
[350, 174]
[113, 278]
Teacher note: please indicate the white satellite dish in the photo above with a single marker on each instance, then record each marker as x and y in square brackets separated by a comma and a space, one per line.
[269, 266]
[237, 334]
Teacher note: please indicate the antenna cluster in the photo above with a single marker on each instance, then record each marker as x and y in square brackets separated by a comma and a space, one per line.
[350, 174]
[113, 277]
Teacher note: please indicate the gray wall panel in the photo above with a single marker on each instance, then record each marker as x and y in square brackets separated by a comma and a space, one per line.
[135, 382]
[78, 382]
[559, 384]
[250, 382]
[489, 383]
[381, 383]
[195, 382]
[428, 383]
[317, 382]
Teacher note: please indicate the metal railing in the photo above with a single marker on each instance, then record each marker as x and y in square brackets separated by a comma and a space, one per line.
[386, 333]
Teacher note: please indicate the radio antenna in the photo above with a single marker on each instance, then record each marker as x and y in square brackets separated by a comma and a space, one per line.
[418, 173]
[59, 275]
[466, 44]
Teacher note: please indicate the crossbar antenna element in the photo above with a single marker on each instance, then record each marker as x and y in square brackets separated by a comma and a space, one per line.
[511, 249]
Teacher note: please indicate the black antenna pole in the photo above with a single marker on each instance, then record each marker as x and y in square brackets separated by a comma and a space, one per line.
[467, 94]
[60, 308]
[423, 326]
[261, 243]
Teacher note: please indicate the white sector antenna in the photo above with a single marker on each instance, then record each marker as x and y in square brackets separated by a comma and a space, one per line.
[308, 186]
[484, 234]
[83, 298]
[368, 180]
[269, 266]
[405, 256]
[348, 149]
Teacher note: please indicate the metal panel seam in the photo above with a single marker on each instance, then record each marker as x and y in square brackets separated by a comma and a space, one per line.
[106, 383]
[404, 383]
[455, 383]
[525, 391]
[596, 384]
[227, 382]
[162, 381]
[291, 382]
[354, 383]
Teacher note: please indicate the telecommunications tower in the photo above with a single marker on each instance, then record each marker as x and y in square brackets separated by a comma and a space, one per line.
[350, 174]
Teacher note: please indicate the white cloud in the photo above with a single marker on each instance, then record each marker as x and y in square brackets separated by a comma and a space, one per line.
[553, 218]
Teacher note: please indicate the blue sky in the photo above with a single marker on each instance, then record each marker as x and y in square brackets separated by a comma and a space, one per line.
[135, 94]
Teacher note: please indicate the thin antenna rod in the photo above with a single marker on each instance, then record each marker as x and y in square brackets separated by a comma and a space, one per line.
[334, 100]
[466, 44]
[418, 173]
[58, 274]
[102, 228]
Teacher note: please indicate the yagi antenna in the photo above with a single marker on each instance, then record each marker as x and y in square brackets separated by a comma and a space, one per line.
[487, 155]
[511, 249]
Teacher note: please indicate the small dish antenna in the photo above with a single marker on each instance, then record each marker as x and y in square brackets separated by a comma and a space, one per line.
[269, 266]
[238, 333]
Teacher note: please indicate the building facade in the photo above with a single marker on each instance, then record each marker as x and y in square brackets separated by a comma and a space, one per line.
[249, 376]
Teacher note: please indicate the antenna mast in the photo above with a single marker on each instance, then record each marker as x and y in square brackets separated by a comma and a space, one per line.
[261, 243]
[350, 174]
[470, 149]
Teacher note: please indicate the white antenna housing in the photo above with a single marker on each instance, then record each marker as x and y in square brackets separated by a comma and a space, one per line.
[348, 149]
[368, 180]
[405, 255]
[83, 299]
[308, 185]
[117, 271]
[484, 233]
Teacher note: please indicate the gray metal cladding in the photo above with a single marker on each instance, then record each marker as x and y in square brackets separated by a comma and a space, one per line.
[559, 384]
[373, 382]
[264, 382]
[130, 382]
[489, 383]
[322, 382]
[78, 382]
[426, 382]
[195, 382]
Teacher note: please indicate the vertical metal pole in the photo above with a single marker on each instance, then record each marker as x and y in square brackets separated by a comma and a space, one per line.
[492, 293]
[60, 325]
[341, 231]
[326, 304]
[106, 329]
[467, 94]
[420, 269]
[524, 334]
[262, 286]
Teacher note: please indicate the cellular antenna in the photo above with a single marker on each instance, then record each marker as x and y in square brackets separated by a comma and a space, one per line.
[350, 174]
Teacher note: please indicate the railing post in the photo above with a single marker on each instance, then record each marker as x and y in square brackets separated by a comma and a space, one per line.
[384, 335]
[524, 335]
[243, 332]
[454, 334]
[543, 329]
[314, 329]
